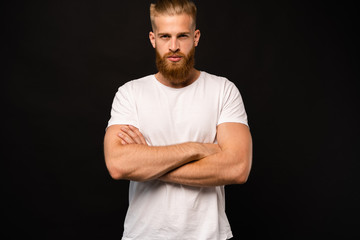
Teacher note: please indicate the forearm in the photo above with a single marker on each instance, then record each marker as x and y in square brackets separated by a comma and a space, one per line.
[141, 162]
[214, 170]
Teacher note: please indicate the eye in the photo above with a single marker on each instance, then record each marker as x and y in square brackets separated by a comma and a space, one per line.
[183, 36]
[165, 36]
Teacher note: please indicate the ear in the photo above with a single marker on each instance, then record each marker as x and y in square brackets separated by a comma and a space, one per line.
[197, 37]
[152, 39]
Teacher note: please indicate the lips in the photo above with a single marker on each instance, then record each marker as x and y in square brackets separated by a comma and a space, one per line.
[174, 58]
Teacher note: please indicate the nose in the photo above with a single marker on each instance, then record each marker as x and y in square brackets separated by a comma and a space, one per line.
[174, 45]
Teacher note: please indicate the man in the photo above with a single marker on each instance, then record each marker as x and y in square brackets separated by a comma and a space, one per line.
[179, 136]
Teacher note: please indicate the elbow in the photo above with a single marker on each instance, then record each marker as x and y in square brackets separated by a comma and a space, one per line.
[123, 174]
[119, 170]
[116, 172]
[241, 173]
[241, 178]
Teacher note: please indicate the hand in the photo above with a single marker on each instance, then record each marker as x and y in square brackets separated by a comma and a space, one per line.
[212, 148]
[131, 135]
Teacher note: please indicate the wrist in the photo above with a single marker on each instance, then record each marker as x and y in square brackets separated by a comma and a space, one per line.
[203, 150]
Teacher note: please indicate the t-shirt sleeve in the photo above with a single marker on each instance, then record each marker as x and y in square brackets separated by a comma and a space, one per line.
[233, 109]
[123, 109]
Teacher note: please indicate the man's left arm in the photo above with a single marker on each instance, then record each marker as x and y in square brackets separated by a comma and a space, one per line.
[231, 165]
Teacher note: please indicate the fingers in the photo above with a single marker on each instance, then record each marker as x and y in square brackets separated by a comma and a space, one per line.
[125, 139]
[139, 134]
[131, 135]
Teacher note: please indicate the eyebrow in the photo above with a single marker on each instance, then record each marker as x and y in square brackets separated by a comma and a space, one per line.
[184, 33]
[181, 33]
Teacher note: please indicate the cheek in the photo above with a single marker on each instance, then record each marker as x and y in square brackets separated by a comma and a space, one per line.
[187, 47]
[161, 51]
[161, 48]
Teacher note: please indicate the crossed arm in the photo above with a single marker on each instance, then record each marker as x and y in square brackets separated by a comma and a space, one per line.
[127, 156]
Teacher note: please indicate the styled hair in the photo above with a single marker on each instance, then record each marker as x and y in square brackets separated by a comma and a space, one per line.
[171, 8]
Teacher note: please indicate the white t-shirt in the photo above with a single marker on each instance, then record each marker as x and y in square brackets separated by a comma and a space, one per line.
[165, 116]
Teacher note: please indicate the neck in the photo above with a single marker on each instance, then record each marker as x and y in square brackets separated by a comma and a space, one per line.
[179, 83]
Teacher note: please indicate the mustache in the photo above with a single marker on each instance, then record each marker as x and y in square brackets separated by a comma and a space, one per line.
[174, 54]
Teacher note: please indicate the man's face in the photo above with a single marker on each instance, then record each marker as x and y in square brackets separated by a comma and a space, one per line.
[174, 39]
[177, 69]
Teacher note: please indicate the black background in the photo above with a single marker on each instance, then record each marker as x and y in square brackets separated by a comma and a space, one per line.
[296, 65]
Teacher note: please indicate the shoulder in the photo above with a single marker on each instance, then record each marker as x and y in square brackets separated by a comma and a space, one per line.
[136, 86]
[133, 88]
[217, 81]
[136, 83]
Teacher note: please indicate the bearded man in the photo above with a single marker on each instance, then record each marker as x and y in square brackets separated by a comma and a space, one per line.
[179, 136]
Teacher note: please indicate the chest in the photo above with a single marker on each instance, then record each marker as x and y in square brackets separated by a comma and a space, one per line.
[174, 117]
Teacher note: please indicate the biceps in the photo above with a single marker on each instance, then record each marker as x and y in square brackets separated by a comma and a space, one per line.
[111, 139]
[234, 138]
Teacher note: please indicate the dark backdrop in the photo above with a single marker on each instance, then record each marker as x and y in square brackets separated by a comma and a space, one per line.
[296, 65]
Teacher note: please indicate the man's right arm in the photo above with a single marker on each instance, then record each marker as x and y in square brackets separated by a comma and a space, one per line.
[140, 162]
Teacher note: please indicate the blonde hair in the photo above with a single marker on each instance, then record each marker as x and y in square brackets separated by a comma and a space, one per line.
[171, 8]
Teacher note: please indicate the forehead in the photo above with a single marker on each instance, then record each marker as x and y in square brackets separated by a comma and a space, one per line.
[173, 23]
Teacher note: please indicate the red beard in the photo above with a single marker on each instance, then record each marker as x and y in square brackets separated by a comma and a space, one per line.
[176, 72]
